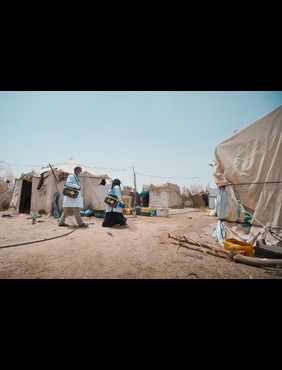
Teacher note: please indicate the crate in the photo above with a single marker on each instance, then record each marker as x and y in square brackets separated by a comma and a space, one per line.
[146, 211]
[162, 212]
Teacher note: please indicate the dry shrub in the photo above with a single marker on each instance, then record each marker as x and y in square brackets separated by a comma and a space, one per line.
[5, 195]
[4, 205]
[126, 190]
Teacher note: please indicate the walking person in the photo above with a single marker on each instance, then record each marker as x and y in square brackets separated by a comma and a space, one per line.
[73, 204]
[114, 216]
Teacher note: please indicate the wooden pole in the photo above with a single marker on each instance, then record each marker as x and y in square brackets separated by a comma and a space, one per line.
[134, 190]
[56, 180]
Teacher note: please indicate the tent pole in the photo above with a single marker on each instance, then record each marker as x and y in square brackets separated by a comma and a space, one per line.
[57, 181]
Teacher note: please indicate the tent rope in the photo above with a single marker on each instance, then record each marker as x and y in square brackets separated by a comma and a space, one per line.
[255, 183]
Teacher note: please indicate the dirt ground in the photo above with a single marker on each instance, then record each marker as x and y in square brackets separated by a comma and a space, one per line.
[141, 250]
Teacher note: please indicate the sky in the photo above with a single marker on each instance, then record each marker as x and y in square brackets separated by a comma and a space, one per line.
[152, 136]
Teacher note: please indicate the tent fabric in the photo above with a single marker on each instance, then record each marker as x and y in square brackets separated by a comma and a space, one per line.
[165, 195]
[68, 167]
[47, 183]
[144, 192]
[247, 165]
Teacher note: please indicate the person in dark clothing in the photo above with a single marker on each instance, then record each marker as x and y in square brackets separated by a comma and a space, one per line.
[114, 216]
[27, 205]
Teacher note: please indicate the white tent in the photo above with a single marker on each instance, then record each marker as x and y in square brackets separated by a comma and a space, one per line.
[165, 195]
[248, 173]
[40, 187]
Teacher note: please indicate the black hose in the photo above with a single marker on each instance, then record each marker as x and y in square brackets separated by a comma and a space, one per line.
[36, 241]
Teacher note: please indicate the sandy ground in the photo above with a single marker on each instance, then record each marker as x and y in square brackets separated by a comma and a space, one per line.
[141, 250]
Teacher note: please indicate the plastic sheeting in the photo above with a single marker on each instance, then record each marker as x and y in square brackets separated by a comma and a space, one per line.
[247, 166]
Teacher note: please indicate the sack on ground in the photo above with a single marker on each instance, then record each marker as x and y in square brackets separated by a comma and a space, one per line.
[111, 200]
[70, 192]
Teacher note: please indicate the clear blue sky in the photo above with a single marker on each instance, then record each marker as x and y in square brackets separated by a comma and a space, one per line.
[166, 135]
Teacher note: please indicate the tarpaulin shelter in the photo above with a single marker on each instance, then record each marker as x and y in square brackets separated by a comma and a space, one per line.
[40, 187]
[248, 174]
[165, 195]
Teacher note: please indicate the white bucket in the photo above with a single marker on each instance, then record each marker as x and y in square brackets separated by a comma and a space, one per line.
[162, 212]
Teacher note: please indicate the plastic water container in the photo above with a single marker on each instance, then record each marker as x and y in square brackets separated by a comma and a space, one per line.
[153, 212]
[99, 215]
[239, 246]
[162, 212]
[165, 212]
[89, 212]
[138, 210]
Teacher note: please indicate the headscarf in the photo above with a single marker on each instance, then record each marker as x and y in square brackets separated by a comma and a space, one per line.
[116, 182]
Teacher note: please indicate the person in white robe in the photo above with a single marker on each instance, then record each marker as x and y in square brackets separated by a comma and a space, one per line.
[73, 204]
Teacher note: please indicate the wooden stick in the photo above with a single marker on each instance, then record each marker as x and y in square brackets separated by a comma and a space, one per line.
[195, 243]
[185, 239]
[188, 247]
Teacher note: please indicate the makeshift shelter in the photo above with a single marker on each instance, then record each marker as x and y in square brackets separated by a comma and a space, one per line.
[42, 187]
[248, 174]
[165, 195]
[144, 196]
[6, 192]
[22, 192]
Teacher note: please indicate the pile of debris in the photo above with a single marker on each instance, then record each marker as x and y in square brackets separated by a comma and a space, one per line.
[263, 256]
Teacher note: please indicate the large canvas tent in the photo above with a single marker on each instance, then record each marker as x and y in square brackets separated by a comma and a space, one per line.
[165, 195]
[41, 186]
[248, 173]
